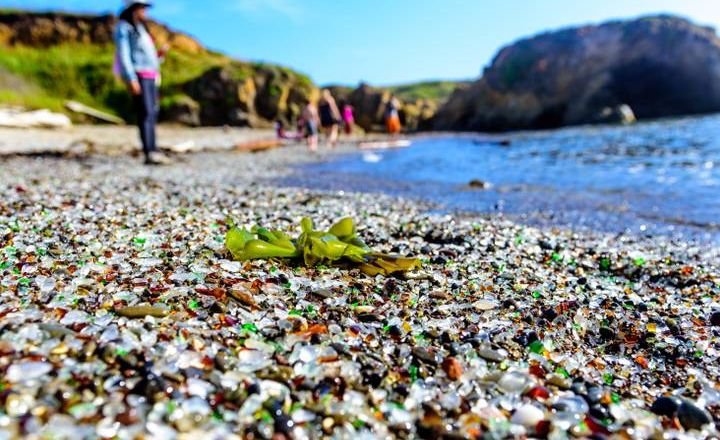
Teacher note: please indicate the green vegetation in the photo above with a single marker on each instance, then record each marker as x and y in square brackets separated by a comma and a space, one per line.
[438, 91]
[84, 72]
[316, 247]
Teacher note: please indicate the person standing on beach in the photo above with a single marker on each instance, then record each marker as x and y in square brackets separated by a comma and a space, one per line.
[392, 116]
[138, 64]
[348, 116]
[329, 117]
[310, 124]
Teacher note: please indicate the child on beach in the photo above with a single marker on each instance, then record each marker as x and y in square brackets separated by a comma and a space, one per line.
[348, 116]
[392, 117]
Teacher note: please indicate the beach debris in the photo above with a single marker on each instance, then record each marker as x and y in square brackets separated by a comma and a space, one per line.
[259, 145]
[314, 247]
[18, 118]
[100, 115]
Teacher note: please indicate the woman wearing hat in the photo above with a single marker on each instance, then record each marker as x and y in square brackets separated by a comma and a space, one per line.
[138, 65]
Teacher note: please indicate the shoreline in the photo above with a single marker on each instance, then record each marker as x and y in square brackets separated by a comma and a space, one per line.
[504, 326]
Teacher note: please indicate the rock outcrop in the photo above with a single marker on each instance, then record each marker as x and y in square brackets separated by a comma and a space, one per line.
[370, 103]
[657, 66]
[242, 95]
[50, 29]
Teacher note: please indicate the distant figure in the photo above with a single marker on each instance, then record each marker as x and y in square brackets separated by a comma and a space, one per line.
[282, 134]
[138, 64]
[348, 117]
[310, 124]
[329, 117]
[392, 116]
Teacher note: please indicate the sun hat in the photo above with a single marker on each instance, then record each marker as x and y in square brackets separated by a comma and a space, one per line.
[127, 4]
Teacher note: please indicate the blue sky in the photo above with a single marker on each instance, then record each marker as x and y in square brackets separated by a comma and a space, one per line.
[380, 41]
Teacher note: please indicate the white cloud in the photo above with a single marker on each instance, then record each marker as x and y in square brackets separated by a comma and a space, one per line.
[287, 8]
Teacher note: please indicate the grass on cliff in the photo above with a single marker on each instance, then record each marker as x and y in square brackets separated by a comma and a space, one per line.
[84, 73]
[437, 91]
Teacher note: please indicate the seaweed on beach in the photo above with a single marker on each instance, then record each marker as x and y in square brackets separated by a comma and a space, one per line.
[339, 243]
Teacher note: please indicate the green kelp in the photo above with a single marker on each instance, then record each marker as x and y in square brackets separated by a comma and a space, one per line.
[314, 247]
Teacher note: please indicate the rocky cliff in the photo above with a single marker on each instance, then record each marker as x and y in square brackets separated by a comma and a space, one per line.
[44, 30]
[658, 66]
[67, 56]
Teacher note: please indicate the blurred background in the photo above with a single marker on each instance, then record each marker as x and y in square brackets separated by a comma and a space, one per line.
[454, 66]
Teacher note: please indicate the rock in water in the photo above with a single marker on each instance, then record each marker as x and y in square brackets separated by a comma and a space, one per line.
[614, 72]
[479, 184]
[622, 114]
[692, 417]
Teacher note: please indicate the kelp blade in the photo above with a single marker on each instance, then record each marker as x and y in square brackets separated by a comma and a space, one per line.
[262, 250]
[236, 239]
[343, 229]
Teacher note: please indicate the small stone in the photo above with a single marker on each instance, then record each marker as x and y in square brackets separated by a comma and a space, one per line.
[692, 417]
[665, 406]
[607, 334]
[489, 354]
[599, 412]
[142, 311]
[514, 382]
[559, 381]
[539, 393]
[573, 405]
[549, 314]
[27, 371]
[452, 368]
[579, 388]
[715, 319]
[425, 355]
[17, 405]
[485, 305]
[479, 184]
[528, 416]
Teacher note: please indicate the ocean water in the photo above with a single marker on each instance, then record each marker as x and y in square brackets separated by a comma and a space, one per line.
[652, 178]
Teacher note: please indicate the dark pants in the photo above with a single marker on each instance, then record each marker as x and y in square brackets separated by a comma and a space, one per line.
[146, 107]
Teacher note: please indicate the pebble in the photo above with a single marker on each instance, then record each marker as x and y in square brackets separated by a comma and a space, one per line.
[666, 406]
[715, 319]
[514, 382]
[452, 368]
[27, 371]
[528, 416]
[489, 354]
[142, 311]
[425, 355]
[692, 417]
[485, 305]
[572, 404]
